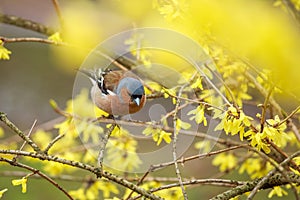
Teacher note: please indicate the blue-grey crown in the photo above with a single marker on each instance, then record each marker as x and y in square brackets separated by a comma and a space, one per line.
[134, 88]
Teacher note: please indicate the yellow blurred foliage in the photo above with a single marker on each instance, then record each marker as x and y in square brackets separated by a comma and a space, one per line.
[253, 29]
[133, 9]
[82, 30]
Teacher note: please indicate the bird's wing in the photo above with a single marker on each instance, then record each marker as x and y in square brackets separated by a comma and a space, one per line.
[111, 79]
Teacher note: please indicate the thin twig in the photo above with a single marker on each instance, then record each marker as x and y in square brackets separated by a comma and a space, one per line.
[25, 23]
[62, 177]
[287, 117]
[271, 173]
[140, 181]
[58, 11]
[198, 156]
[272, 101]
[173, 111]
[28, 135]
[58, 137]
[36, 171]
[47, 126]
[212, 182]
[175, 132]
[283, 155]
[275, 180]
[47, 41]
[103, 143]
[195, 101]
[30, 39]
[264, 110]
[80, 179]
[13, 127]
[226, 142]
[86, 167]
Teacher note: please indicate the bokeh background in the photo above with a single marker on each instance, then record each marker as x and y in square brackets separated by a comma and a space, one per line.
[39, 72]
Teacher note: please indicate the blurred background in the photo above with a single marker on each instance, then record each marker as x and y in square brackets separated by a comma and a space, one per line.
[39, 72]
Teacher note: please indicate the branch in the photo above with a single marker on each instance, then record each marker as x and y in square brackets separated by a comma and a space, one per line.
[58, 11]
[275, 180]
[198, 156]
[26, 24]
[35, 171]
[292, 10]
[287, 118]
[86, 167]
[59, 177]
[272, 101]
[175, 132]
[226, 142]
[53, 142]
[192, 181]
[271, 173]
[213, 182]
[13, 127]
[31, 39]
[264, 110]
[103, 144]
[24, 143]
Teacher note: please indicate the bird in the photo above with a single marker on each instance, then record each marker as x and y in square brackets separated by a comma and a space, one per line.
[116, 92]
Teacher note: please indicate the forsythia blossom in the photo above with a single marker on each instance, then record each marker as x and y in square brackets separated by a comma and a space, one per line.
[22, 182]
[2, 192]
[4, 52]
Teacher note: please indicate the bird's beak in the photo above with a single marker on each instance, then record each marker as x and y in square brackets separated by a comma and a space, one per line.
[137, 101]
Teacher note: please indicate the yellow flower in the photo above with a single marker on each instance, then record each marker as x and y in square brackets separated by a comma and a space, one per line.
[169, 92]
[1, 132]
[255, 167]
[164, 136]
[158, 135]
[225, 161]
[154, 86]
[22, 181]
[121, 152]
[90, 156]
[2, 192]
[67, 127]
[91, 132]
[81, 105]
[55, 37]
[278, 191]
[257, 140]
[78, 194]
[198, 115]
[276, 133]
[182, 125]
[205, 146]
[197, 84]
[53, 168]
[42, 138]
[4, 53]
[107, 188]
[172, 193]
[235, 121]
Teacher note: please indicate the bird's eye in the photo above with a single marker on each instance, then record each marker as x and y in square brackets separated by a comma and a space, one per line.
[134, 96]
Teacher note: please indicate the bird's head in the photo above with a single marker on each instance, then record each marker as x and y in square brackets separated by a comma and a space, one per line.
[134, 88]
